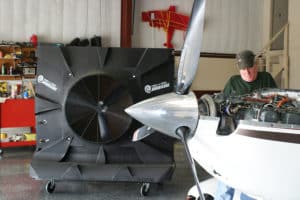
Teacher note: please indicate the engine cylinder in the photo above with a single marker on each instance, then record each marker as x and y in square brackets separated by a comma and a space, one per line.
[290, 118]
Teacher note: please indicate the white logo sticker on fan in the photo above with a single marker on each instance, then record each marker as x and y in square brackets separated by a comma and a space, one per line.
[47, 83]
[159, 86]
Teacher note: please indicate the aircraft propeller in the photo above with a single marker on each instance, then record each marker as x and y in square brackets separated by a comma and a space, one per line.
[176, 114]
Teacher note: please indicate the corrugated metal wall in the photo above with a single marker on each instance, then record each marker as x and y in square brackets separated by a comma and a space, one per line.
[230, 25]
[60, 20]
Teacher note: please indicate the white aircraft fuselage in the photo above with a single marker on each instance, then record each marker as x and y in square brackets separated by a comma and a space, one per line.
[258, 158]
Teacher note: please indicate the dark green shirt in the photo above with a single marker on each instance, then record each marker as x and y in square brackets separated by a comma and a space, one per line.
[237, 86]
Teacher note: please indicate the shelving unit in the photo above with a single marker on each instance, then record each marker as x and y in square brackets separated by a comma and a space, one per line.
[19, 63]
[17, 144]
[10, 77]
[13, 57]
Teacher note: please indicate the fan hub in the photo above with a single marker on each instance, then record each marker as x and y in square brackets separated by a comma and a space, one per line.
[101, 107]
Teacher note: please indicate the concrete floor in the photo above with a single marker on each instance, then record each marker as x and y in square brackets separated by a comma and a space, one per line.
[16, 184]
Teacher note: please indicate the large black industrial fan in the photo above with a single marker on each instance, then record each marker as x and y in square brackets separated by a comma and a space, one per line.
[83, 132]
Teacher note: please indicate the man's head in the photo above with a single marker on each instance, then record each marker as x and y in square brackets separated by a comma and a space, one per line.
[247, 65]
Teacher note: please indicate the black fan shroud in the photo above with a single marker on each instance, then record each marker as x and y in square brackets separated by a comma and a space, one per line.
[95, 108]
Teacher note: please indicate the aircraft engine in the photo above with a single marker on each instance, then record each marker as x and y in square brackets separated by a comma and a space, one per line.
[266, 105]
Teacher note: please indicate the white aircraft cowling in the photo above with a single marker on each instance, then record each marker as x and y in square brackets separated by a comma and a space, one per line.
[258, 158]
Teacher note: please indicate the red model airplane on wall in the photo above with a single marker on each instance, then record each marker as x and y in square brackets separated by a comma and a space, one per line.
[169, 20]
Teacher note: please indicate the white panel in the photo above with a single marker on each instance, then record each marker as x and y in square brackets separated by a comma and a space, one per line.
[294, 43]
[230, 25]
[6, 20]
[233, 25]
[18, 16]
[115, 29]
[94, 14]
[69, 16]
[60, 20]
[56, 28]
[31, 18]
[107, 11]
[45, 14]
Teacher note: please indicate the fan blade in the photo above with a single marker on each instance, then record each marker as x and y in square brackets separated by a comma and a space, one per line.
[183, 133]
[115, 95]
[167, 112]
[191, 49]
[85, 89]
[80, 100]
[74, 118]
[105, 86]
[103, 128]
[86, 125]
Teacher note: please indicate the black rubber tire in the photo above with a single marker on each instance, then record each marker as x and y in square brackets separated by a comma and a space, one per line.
[50, 187]
[144, 190]
[210, 103]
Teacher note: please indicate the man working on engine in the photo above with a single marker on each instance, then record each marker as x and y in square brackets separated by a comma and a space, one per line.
[248, 81]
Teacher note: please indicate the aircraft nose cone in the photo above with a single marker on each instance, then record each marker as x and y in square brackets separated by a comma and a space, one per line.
[166, 113]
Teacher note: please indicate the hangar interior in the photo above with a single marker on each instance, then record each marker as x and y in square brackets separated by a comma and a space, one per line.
[69, 69]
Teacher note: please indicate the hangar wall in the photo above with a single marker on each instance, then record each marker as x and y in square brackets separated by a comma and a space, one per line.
[60, 20]
[294, 43]
[230, 25]
[212, 73]
[241, 24]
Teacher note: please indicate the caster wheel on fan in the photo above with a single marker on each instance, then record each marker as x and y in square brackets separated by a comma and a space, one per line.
[144, 190]
[50, 187]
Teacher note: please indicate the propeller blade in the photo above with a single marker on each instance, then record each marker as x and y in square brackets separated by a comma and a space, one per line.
[176, 114]
[142, 133]
[191, 49]
[184, 133]
[165, 113]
